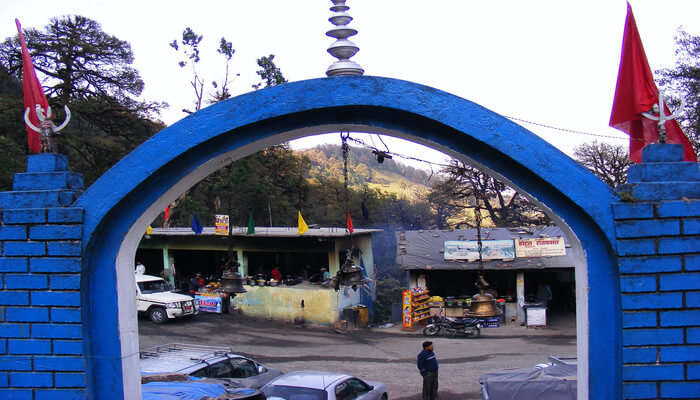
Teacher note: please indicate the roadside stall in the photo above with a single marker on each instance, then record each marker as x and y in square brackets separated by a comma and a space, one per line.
[528, 271]
[216, 297]
[212, 302]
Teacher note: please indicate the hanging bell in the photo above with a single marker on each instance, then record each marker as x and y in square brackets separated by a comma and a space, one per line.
[350, 274]
[231, 282]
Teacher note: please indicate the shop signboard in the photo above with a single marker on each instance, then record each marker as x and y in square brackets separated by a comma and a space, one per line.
[469, 250]
[221, 224]
[209, 303]
[406, 312]
[540, 247]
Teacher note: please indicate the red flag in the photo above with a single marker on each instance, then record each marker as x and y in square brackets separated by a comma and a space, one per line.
[348, 220]
[33, 93]
[167, 213]
[636, 92]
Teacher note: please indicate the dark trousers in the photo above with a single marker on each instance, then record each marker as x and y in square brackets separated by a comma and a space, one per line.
[430, 386]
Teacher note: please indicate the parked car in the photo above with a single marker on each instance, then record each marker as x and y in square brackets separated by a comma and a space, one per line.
[555, 380]
[154, 298]
[206, 362]
[312, 385]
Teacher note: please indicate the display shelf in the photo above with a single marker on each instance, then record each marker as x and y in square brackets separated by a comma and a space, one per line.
[415, 307]
[421, 318]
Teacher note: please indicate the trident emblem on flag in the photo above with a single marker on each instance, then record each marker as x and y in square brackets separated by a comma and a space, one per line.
[47, 129]
[34, 98]
[662, 117]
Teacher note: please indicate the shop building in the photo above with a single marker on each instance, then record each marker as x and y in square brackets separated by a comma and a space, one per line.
[299, 258]
[446, 262]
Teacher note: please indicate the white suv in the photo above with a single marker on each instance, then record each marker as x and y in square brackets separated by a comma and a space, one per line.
[153, 297]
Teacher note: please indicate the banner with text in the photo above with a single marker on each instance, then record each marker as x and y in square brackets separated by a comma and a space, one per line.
[469, 250]
[540, 247]
[209, 303]
[221, 224]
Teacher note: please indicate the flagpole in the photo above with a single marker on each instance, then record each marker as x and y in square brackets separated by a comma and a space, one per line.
[638, 100]
[37, 115]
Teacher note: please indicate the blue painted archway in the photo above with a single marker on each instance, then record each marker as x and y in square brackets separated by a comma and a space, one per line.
[126, 198]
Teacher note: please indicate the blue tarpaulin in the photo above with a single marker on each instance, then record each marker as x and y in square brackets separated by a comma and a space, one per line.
[188, 390]
[180, 390]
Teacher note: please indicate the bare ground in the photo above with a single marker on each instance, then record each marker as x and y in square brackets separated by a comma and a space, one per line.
[384, 355]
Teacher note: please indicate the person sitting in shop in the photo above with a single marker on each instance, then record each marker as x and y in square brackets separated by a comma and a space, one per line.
[326, 277]
[318, 277]
[195, 283]
[544, 293]
[276, 274]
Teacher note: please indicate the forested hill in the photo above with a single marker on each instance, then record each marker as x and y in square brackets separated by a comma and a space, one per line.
[390, 176]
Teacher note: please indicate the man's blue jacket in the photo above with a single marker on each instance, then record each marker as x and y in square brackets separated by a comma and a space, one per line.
[427, 362]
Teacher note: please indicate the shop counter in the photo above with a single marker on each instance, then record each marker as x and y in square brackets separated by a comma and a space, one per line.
[212, 302]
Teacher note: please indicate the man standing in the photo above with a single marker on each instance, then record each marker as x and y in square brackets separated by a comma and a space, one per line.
[140, 268]
[428, 367]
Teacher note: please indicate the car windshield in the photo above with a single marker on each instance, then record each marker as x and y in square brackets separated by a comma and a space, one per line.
[158, 286]
[274, 392]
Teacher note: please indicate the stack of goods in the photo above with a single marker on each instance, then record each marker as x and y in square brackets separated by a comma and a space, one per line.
[211, 287]
[436, 304]
[209, 298]
[454, 307]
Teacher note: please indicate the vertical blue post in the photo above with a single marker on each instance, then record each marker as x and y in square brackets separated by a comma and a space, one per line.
[658, 246]
[41, 335]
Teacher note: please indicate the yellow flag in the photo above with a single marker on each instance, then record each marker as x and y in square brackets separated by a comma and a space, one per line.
[302, 225]
[149, 230]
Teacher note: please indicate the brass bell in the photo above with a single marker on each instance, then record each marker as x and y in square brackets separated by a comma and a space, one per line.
[350, 274]
[232, 282]
[483, 305]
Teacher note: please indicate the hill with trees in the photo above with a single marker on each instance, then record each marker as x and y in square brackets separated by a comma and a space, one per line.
[326, 162]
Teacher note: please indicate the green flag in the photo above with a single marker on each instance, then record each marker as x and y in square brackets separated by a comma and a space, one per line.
[251, 224]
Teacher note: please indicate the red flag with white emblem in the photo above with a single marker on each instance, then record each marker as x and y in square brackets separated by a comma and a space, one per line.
[348, 220]
[636, 92]
[33, 93]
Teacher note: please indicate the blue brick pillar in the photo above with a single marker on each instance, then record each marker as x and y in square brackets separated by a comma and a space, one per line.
[41, 340]
[658, 244]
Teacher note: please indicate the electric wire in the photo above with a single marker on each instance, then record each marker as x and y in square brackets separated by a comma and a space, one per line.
[565, 129]
[374, 148]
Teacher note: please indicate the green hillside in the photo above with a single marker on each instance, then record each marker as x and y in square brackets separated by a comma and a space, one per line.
[363, 169]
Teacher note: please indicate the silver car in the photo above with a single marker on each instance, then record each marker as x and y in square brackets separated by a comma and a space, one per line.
[206, 362]
[312, 385]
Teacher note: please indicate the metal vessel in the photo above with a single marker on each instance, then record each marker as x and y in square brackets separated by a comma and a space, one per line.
[483, 305]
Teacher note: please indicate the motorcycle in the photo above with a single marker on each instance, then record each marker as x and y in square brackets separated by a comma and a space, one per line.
[471, 327]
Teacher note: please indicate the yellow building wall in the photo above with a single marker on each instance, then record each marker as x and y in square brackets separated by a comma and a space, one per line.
[284, 303]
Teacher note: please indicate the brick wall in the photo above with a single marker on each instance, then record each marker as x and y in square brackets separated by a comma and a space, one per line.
[658, 243]
[41, 335]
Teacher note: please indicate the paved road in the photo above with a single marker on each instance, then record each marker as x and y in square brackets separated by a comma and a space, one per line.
[385, 355]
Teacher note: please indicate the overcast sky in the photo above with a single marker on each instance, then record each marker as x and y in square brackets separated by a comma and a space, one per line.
[549, 61]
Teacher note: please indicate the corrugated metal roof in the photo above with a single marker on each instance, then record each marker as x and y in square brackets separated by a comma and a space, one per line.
[424, 249]
[265, 232]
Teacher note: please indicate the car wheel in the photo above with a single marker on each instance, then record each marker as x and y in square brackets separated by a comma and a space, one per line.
[157, 315]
